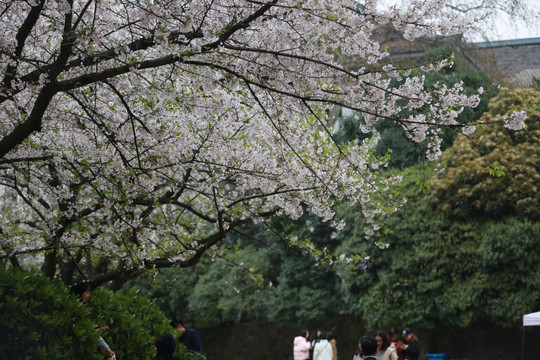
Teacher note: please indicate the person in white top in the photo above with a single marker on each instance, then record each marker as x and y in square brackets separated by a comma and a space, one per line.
[323, 349]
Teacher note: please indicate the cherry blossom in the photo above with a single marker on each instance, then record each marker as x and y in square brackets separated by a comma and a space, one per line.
[516, 120]
[138, 134]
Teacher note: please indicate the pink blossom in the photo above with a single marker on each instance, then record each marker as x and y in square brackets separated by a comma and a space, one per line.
[516, 120]
[158, 126]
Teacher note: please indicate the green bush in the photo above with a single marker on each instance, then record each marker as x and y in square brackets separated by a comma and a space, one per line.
[134, 322]
[40, 321]
[182, 353]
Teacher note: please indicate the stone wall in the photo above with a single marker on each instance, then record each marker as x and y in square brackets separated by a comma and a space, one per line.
[514, 62]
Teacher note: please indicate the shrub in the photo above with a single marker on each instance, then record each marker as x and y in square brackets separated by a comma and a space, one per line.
[182, 353]
[134, 322]
[40, 321]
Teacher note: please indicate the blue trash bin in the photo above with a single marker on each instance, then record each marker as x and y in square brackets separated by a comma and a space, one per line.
[438, 356]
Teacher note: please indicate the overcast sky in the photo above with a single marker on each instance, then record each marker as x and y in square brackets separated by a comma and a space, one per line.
[506, 30]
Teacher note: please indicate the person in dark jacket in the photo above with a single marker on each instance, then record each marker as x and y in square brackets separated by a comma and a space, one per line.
[191, 338]
[368, 348]
[165, 347]
[410, 349]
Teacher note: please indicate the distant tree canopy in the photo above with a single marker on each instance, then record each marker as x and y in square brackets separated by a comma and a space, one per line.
[438, 268]
[467, 189]
[439, 272]
[254, 280]
[425, 267]
[426, 270]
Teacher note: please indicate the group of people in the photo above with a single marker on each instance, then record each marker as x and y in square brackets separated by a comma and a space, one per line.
[165, 345]
[322, 347]
[382, 346]
[388, 346]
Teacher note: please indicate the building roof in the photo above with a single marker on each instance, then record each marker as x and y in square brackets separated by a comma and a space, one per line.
[514, 42]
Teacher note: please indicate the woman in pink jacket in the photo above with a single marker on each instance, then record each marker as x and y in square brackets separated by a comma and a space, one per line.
[302, 346]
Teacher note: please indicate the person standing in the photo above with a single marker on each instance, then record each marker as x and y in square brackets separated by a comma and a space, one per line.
[301, 346]
[165, 347]
[333, 342]
[411, 348]
[315, 340]
[191, 338]
[323, 349]
[395, 343]
[358, 353]
[368, 348]
[81, 288]
[384, 351]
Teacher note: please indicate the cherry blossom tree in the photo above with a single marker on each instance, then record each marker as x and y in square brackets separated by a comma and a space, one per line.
[136, 134]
